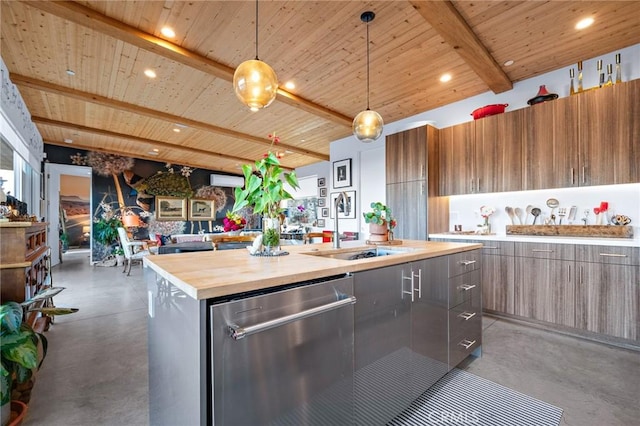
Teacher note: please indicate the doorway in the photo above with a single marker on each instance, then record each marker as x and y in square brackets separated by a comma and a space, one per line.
[62, 188]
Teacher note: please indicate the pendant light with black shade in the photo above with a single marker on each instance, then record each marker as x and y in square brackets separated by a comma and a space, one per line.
[254, 81]
[367, 126]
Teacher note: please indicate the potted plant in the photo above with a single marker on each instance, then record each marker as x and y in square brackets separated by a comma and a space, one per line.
[119, 253]
[264, 190]
[381, 222]
[18, 353]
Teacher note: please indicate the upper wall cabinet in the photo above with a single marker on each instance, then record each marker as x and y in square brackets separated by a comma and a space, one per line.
[609, 135]
[406, 155]
[550, 144]
[498, 152]
[457, 162]
[592, 138]
[483, 155]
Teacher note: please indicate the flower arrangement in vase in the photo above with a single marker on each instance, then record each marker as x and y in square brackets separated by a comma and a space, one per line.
[264, 190]
[485, 212]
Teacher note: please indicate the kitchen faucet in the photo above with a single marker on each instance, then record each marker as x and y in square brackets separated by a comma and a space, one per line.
[342, 197]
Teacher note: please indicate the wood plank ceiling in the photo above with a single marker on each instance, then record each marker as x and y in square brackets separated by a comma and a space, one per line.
[110, 105]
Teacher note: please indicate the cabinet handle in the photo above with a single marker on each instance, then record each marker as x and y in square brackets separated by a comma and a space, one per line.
[467, 343]
[542, 251]
[467, 315]
[471, 184]
[467, 262]
[478, 185]
[569, 273]
[573, 176]
[580, 277]
[467, 287]
[405, 291]
[237, 332]
[584, 175]
[612, 255]
[419, 290]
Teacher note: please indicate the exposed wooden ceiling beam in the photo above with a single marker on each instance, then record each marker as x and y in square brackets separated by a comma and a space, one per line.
[154, 143]
[89, 147]
[87, 17]
[447, 21]
[44, 86]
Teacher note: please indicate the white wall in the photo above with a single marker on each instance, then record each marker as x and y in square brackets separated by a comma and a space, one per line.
[369, 159]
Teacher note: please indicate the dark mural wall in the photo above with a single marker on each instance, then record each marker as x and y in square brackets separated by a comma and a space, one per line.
[136, 183]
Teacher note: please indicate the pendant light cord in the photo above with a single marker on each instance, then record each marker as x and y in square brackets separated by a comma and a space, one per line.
[367, 66]
[257, 30]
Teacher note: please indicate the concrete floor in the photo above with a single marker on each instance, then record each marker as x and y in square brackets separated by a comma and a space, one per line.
[96, 370]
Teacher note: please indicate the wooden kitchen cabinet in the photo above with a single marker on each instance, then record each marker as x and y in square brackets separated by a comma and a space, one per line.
[544, 282]
[498, 153]
[550, 145]
[482, 156]
[412, 174]
[406, 155]
[609, 134]
[498, 277]
[587, 139]
[608, 290]
[408, 202]
[457, 162]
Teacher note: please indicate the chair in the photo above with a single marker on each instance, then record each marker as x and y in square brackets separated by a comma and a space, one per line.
[130, 252]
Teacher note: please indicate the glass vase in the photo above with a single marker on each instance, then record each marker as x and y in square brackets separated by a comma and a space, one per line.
[271, 234]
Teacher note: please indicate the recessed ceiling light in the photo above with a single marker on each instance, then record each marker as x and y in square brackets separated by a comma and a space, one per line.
[175, 129]
[154, 152]
[71, 72]
[150, 73]
[509, 63]
[168, 32]
[67, 140]
[584, 23]
[290, 85]
[445, 77]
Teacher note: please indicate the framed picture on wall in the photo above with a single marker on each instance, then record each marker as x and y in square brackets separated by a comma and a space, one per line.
[320, 223]
[171, 208]
[346, 208]
[201, 209]
[323, 192]
[342, 173]
[322, 202]
[321, 182]
[325, 212]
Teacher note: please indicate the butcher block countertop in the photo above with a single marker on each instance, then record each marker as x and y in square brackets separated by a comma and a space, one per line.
[210, 274]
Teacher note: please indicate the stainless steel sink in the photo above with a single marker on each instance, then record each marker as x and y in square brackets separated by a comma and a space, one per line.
[360, 253]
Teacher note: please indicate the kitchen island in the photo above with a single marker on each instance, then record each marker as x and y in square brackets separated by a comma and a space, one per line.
[310, 337]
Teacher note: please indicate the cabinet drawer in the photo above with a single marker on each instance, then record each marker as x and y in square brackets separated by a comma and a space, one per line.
[465, 342]
[546, 250]
[465, 317]
[464, 287]
[608, 254]
[461, 263]
[498, 248]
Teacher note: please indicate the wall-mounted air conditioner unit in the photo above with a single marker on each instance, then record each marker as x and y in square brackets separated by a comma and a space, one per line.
[226, 180]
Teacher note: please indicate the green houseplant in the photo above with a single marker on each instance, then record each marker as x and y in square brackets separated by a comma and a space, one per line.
[18, 353]
[381, 222]
[264, 190]
[19, 342]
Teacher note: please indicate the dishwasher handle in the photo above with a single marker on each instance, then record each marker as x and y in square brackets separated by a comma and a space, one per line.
[236, 332]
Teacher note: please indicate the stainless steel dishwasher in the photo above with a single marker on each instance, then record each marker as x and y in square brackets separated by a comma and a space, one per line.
[285, 357]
